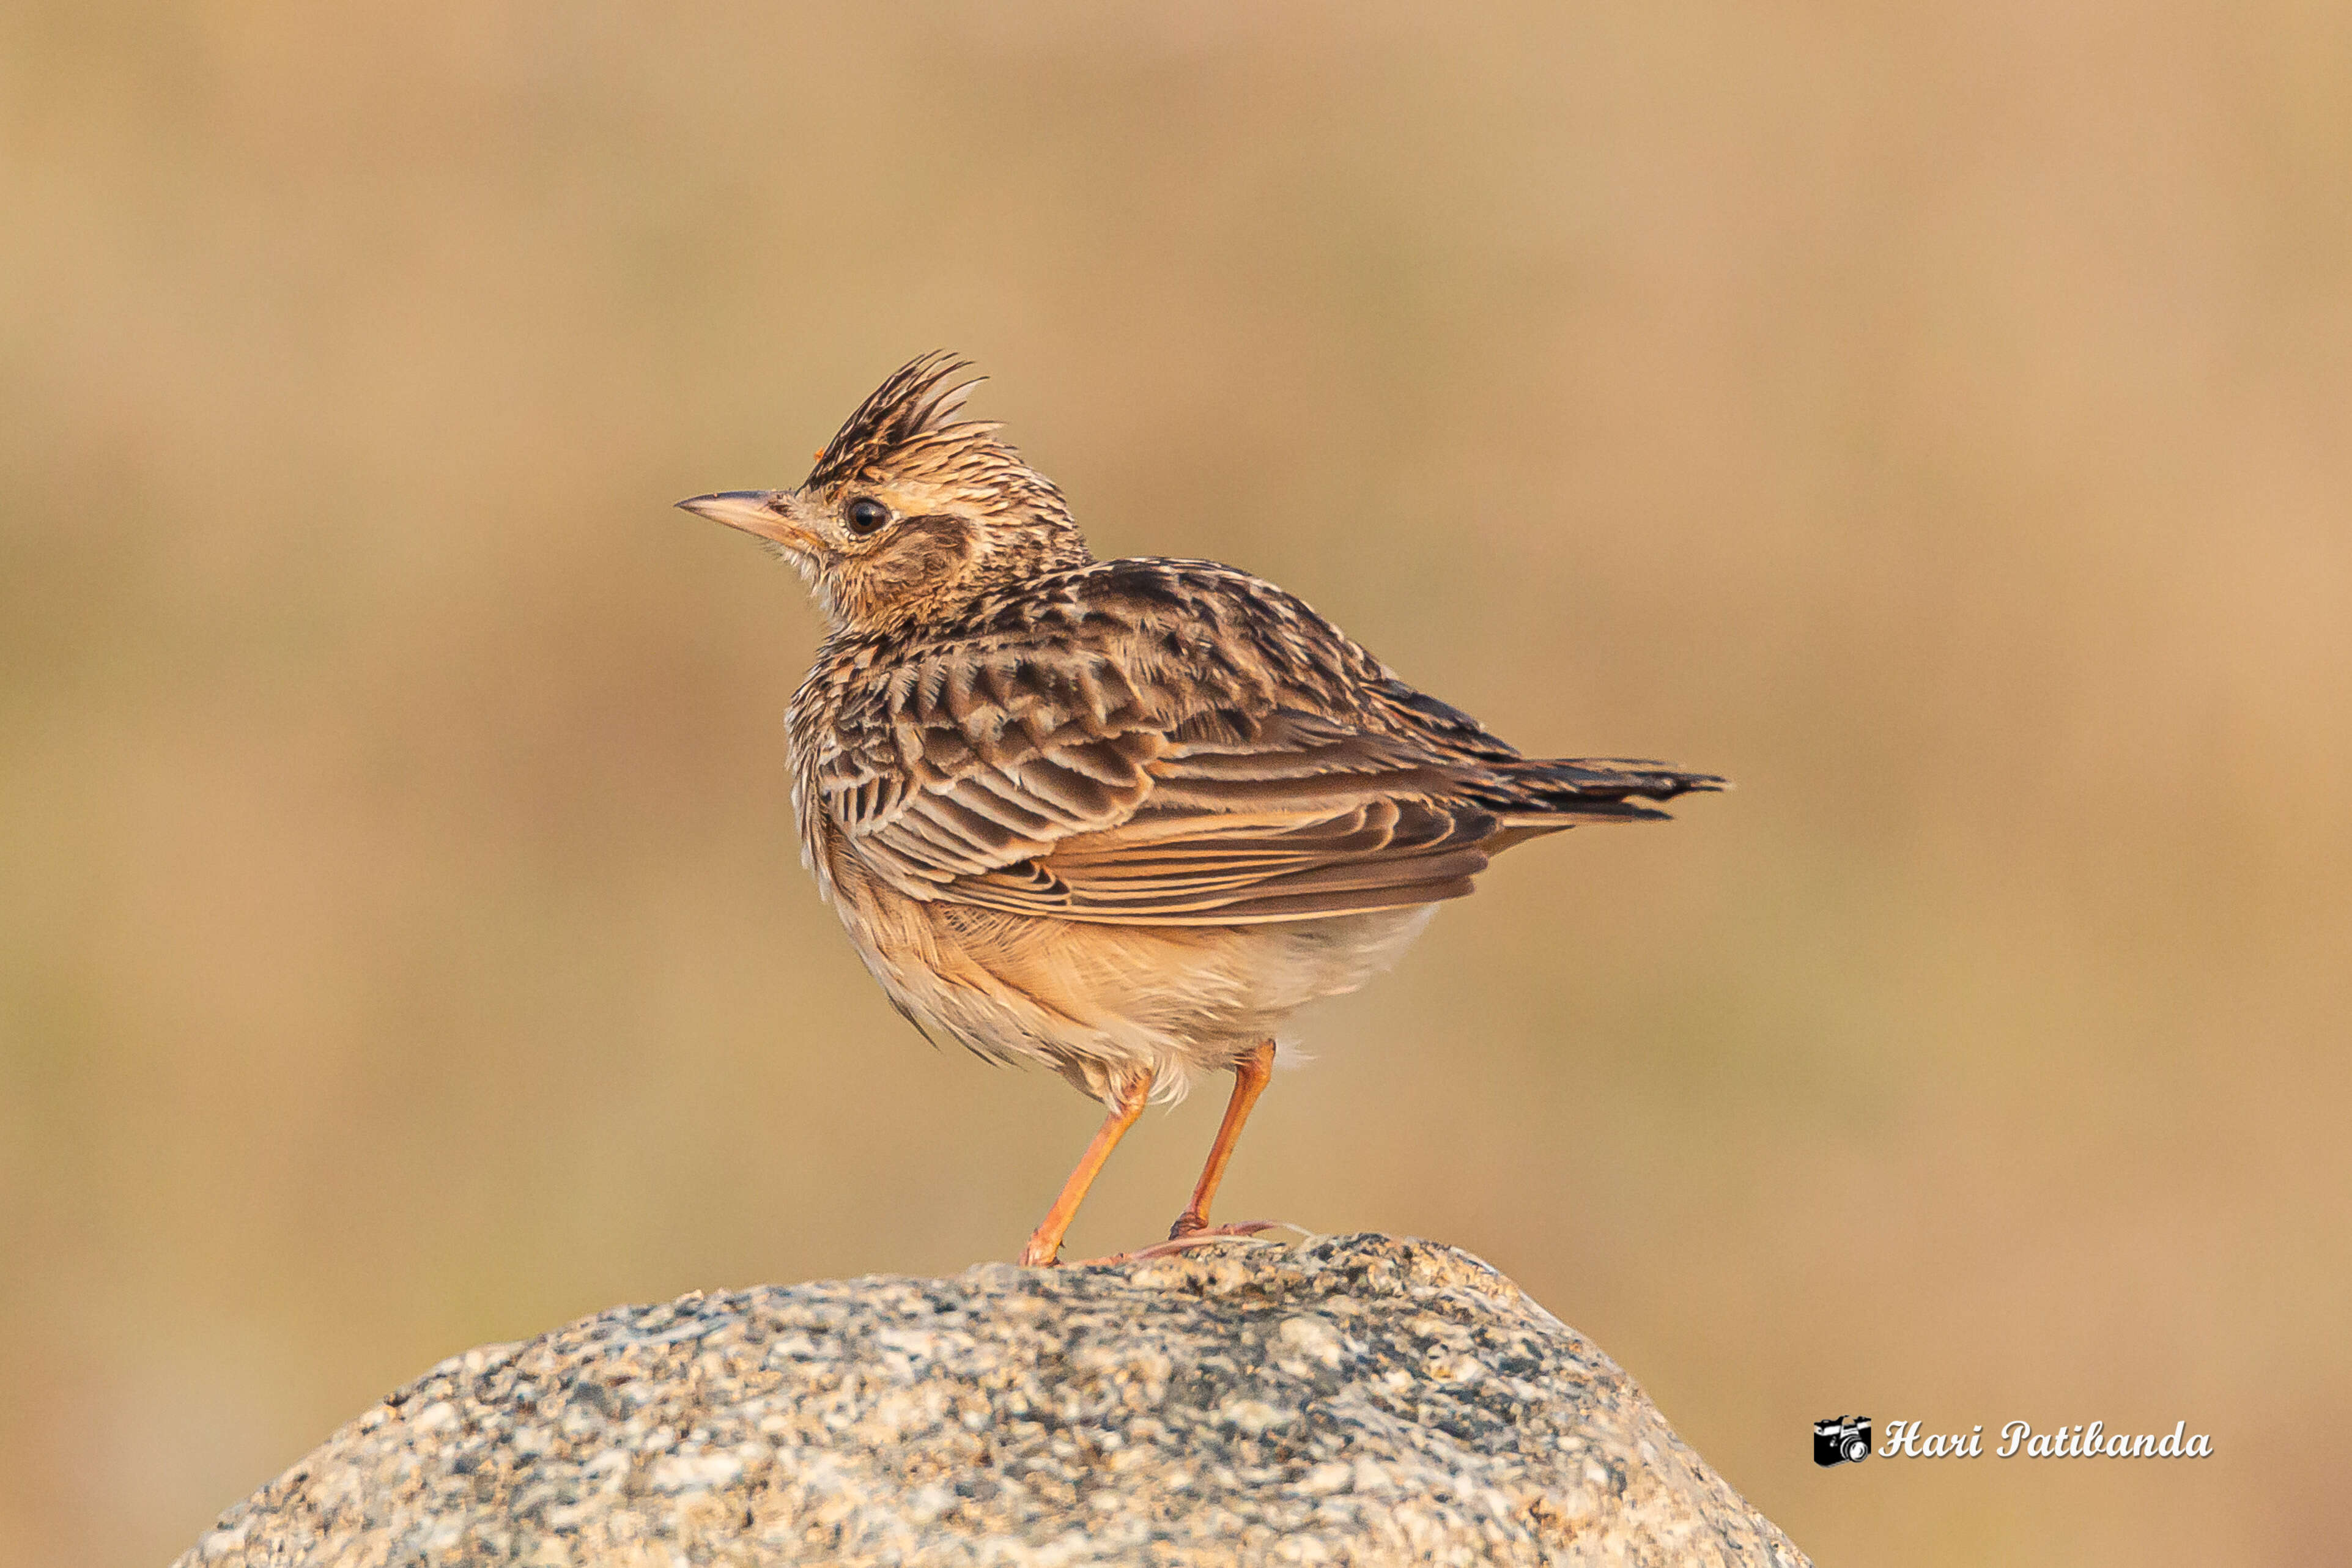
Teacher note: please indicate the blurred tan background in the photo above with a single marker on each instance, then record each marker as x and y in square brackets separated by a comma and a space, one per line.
[1937, 421]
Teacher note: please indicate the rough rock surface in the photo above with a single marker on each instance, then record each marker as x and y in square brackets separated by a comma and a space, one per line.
[1353, 1399]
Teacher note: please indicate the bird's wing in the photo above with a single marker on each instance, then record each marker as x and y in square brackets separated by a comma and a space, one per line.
[1160, 825]
[1185, 745]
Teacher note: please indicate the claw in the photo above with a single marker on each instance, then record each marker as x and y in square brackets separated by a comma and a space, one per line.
[1237, 1231]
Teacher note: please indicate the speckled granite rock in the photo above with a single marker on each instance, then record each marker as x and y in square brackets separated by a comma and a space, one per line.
[1353, 1399]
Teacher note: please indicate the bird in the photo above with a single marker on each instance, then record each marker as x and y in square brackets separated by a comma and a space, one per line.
[1118, 818]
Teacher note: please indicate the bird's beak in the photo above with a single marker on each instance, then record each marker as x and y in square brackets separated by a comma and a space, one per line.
[754, 511]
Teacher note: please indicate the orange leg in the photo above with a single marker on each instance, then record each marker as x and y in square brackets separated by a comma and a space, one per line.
[1045, 1241]
[1250, 1074]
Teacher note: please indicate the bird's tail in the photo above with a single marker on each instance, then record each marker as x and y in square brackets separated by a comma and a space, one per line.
[1543, 794]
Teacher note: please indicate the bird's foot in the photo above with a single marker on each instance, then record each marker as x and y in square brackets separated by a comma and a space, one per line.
[1238, 1230]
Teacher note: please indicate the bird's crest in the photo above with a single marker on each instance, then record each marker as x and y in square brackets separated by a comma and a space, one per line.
[920, 399]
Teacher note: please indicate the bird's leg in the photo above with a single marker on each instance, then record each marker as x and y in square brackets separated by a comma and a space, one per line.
[1045, 1241]
[1250, 1074]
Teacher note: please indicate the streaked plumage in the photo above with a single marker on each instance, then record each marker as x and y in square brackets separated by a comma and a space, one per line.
[1119, 817]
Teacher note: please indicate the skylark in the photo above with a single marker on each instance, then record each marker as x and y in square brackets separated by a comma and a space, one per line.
[1120, 817]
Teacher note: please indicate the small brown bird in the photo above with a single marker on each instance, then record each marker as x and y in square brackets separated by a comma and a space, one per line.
[1120, 817]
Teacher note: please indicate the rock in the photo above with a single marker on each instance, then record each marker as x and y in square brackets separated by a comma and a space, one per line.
[1354, 1399]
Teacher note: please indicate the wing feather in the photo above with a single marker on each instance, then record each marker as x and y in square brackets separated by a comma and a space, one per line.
[1183, 744]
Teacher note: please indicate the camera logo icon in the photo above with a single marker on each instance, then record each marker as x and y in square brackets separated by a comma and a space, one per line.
[1842, 1440]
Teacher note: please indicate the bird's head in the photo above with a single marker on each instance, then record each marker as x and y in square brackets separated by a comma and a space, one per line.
[909, 514]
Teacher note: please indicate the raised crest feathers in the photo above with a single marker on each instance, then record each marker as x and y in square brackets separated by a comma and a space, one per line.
[920, 398]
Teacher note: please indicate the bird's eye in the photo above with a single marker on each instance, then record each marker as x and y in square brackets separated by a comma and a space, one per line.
[865, 516]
